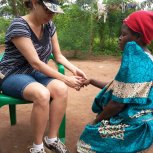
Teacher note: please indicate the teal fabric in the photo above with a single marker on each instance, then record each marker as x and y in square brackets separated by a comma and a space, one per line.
[131, 130]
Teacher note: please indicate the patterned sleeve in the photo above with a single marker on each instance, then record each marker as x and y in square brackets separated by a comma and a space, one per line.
[18, 27]
[52, 28]
[133, 82]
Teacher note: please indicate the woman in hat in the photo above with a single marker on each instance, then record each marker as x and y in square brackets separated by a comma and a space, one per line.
[24, 72]
[124, 107]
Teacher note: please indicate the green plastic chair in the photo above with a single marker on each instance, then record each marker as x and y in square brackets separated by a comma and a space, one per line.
[12, 102]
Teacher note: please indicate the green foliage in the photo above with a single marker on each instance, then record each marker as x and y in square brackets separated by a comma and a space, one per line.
[82, 2]
[79, 29]
[116, 2]
[4, 23]
[151, 47]
[12, 8]
[72, 28]
[2, 36]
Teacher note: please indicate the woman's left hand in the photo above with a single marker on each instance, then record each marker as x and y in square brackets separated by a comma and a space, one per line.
[80, 73]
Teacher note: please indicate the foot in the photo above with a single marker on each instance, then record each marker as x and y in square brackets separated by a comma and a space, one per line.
[56, 147]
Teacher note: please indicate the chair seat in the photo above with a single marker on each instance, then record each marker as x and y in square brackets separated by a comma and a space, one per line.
[4, 99]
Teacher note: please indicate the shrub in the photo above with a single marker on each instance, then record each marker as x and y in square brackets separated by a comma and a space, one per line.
[2, 38]
[4, 23]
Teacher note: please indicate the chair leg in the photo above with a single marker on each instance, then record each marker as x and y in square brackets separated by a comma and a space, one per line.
[62, 130]
[12, 110]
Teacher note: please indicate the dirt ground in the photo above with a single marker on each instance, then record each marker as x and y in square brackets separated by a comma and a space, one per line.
[18, 138]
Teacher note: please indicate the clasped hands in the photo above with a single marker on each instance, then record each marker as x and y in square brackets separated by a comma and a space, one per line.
[78, 80]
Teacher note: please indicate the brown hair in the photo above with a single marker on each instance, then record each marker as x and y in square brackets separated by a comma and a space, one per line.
[28, 4]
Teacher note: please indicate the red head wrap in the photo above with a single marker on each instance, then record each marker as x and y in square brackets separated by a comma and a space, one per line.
[141, 22]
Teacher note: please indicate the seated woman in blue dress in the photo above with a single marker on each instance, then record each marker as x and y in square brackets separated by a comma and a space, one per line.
[124, 107]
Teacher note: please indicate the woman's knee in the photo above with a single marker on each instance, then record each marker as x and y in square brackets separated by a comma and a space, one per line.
[59, 89]
[37, 93]
[42, 96]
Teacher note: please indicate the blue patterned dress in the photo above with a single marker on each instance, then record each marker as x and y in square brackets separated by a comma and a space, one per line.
[131, 130]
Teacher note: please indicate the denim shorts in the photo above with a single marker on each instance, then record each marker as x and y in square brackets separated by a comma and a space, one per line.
[15, 84]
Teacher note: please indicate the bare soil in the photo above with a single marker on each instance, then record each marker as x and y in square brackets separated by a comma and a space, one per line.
[18, 138]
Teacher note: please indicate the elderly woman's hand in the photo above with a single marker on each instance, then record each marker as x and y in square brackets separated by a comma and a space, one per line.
[86, 82]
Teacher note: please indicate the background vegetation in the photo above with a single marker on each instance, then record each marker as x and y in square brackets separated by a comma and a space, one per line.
[80, 29]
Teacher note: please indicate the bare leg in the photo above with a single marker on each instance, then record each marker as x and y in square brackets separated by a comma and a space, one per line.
[40, 97]
[59, 93]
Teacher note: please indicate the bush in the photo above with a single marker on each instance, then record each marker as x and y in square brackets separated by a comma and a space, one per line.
[4, 23]
[2, 38]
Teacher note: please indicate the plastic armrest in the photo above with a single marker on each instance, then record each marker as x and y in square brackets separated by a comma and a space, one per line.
[61, 68]
[1, 55]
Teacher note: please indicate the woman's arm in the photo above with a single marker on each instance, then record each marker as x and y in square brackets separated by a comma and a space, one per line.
[61, 59]
[27, 49]
[113, 108]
